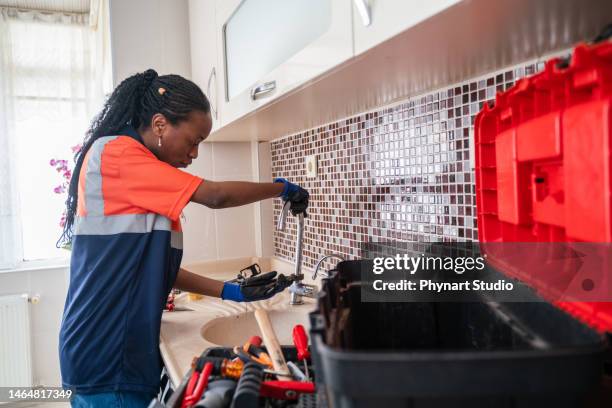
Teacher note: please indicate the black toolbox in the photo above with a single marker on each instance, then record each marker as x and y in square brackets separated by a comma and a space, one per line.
[431, 354]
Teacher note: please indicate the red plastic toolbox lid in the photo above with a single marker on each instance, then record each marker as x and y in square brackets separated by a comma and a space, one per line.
[544, 182]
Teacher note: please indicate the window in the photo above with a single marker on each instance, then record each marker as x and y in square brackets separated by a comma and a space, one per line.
[53, 88]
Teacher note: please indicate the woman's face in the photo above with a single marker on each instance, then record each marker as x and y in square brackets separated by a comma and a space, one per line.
[180, 142]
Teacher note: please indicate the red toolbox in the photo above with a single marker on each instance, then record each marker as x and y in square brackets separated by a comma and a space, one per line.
[543, 185]
[544, 182]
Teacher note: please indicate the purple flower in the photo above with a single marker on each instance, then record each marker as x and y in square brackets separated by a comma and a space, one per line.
[62, 167]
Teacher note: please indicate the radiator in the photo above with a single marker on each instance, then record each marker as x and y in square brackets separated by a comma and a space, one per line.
[15, 349]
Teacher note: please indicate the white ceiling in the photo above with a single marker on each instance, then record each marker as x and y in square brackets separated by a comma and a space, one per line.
[69, 6]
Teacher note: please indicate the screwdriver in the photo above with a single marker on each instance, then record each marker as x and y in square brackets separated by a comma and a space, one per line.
[252, 347]
[221, 366]
[256, 341]
[300, 340]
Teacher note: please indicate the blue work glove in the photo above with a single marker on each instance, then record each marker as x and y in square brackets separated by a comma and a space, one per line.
[257, 287]
[296, 195]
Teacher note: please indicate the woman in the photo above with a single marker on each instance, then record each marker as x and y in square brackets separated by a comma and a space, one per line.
[125, 198]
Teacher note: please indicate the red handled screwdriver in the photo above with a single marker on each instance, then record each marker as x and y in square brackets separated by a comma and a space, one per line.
[300, 340]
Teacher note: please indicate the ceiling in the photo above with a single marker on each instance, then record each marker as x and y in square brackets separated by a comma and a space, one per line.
[67, 6]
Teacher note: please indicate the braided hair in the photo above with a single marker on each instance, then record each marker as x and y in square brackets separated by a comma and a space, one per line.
[134, 102]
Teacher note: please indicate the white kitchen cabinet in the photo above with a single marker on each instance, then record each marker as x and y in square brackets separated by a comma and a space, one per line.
[269, 47]
[378, 20]
[205, 53]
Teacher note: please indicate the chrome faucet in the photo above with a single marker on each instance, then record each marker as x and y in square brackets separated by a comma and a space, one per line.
[320, 261]
[297, 288]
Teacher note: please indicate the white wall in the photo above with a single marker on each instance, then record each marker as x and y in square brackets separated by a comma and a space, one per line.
[264, 214]
[149, 34]
[46, 316]
[220, 234]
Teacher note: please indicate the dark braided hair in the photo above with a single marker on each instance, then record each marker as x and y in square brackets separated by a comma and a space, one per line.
[134, 102]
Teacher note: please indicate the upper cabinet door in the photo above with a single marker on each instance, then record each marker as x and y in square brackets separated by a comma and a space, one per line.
[269, 47]
[378, 20]
[204, 53]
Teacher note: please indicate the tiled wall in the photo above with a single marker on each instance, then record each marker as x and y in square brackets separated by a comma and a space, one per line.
[403, 172]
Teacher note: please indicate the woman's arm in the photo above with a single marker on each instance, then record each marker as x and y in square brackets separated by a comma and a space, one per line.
[254, 288]
[223, 194]
[195, 283]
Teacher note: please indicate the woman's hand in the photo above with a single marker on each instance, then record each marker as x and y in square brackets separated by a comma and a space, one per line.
[294, 194]
[257, 287]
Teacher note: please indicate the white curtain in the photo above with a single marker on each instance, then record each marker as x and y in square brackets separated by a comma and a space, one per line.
[99, 22]
[9, 228]
[54, 68]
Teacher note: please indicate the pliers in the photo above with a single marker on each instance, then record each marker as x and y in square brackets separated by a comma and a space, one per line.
[197, 383]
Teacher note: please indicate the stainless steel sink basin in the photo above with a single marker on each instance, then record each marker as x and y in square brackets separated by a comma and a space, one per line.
[236, 330]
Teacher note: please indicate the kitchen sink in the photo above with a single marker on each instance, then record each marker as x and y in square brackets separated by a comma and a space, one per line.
[237, 329]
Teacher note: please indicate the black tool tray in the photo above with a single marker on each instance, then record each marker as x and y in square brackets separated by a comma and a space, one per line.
[427, 354]
[175, 400]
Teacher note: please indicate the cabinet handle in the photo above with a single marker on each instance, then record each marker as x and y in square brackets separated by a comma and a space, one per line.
[364, 11]
[213, 73]
[263, 89]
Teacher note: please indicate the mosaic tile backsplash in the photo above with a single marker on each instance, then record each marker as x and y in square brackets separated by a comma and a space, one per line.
[400, 173]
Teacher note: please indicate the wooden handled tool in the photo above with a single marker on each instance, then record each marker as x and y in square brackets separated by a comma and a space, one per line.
[272, 345]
